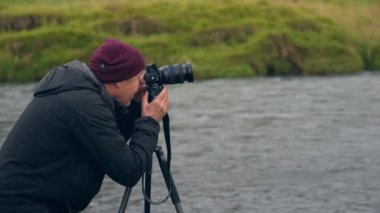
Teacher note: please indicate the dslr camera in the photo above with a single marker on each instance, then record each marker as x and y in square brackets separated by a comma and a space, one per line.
[155, 78]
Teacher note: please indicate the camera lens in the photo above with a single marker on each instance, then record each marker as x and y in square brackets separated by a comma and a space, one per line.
[176, 73]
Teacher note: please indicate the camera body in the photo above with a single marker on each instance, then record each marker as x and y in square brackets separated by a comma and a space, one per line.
[155, 77]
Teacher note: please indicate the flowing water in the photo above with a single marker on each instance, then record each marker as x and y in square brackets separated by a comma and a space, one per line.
[281, 145]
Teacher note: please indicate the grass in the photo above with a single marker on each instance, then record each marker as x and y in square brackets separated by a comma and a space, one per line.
[221, 38]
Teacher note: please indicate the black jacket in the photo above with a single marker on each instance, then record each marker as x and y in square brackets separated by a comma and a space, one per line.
[70, 135]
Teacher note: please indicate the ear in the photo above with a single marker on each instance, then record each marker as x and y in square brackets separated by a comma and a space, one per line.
[117, 85]
[111, 87]
[121, 84]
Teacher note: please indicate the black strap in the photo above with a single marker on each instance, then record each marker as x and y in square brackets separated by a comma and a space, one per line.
[68, 204]
[166, 124]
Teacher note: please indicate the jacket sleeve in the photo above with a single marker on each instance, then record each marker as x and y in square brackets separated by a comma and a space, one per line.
[101, 140]
[126, 117]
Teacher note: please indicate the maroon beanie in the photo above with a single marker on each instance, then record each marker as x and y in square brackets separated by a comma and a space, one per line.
[115, 61]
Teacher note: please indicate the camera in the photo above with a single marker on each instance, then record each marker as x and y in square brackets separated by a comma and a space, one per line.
[155, 78]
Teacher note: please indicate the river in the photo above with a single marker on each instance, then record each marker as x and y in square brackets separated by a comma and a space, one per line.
[265, 145]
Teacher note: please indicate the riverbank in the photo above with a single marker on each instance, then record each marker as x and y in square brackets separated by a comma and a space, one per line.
[279, 145]
[221, 38]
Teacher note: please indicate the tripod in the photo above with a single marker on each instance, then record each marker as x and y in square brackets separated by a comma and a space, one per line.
[148, 177]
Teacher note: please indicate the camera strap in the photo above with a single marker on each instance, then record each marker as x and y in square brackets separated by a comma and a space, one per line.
[166, 124]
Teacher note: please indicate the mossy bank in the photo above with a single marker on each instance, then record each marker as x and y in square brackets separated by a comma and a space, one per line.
[221, 38]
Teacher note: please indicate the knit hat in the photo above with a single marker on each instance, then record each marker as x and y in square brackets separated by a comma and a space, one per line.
[115, 61]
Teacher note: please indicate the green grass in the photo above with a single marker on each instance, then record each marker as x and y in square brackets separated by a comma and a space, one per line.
[221, 38]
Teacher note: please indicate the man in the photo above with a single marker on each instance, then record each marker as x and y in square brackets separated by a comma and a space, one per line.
[75, 129]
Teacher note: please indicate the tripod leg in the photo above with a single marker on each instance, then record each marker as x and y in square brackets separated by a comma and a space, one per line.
[168, 180]
[148, 180]
[125, 199]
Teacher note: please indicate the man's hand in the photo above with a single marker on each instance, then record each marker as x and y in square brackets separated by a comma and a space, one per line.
[139, 95]
[142, 89]
[158, 107]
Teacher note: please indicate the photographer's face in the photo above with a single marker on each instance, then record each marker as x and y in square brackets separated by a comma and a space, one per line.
[127, 90]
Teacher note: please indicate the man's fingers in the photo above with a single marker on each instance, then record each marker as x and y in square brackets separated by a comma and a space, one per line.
[163, 93]
[158, 107]
[145, 98]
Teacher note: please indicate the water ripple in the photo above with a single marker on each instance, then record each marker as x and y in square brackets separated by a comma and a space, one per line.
[293, 145]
